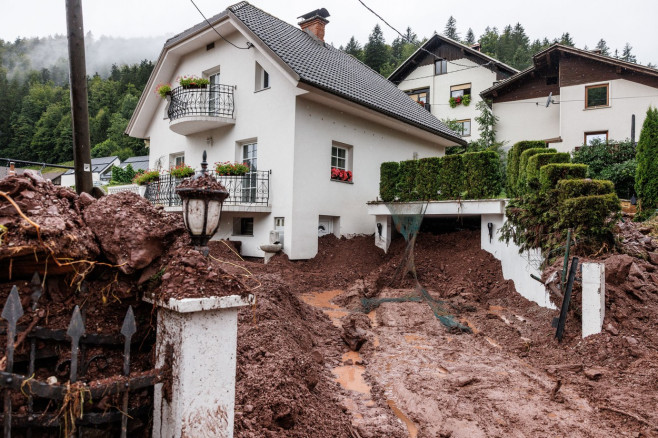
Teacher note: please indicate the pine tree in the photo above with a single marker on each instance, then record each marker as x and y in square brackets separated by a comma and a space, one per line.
[354, 48]
[603, 47]
[489, 41]
[376, 52]
[451, 29]
[470, 37]
[411, 37]
[651, 65]
[626, 54]
[646, 176]
[566, 40]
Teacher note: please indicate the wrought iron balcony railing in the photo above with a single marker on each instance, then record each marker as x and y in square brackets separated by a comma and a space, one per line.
[252, 188]
[213, 101]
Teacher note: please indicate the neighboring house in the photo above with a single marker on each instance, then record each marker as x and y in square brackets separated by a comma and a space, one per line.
[55, 176]
[443, 69]
[293, 108]
[591, 97]
[101, 171]
[137, 163]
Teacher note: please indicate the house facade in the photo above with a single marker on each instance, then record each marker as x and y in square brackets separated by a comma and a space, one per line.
[293, 109]
[442, 73]
[570, 97]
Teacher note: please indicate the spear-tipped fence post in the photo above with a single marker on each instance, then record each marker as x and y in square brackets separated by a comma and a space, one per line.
[37, 292]
[75, 331]
[12, 312]
[127, 330]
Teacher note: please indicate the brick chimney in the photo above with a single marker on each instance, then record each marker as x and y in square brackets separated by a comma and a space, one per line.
[476, 46]
[314, 22]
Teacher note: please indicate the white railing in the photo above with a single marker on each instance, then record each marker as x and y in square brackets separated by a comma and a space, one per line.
[140, 190]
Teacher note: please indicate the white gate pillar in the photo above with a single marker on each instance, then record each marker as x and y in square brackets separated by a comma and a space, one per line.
[383, 225]
[197, 337]
[593, 298]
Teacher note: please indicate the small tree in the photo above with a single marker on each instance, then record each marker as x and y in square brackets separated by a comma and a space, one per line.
[646, 177]
[470, 37]
[603, 47]
[626, 54]
[451, 29]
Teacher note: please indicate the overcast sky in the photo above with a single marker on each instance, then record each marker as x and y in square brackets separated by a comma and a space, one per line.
[617, 22]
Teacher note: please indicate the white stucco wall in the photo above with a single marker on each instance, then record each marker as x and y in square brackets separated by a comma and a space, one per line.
[527, 119]
[626, 98]
[316, 194]
[480, 79]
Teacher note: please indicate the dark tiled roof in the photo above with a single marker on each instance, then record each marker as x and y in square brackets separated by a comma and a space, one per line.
[194, 29]
[137, 163]
[98, 165]
[336, 72]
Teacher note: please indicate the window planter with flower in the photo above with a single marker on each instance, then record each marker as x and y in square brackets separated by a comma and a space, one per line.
[146, 177]
[163, 90]
[231, 169]
[191, 82]
[181, 171]
[460, 100]
[341, 175]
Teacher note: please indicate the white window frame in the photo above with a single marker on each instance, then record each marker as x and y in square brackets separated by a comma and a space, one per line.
[176, 159]
[462, 123]
[262, 79]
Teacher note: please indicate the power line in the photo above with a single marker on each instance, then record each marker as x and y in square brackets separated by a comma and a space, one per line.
[249, 45]
[419, 46]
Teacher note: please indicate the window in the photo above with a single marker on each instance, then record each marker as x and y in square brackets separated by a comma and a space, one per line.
[262, 81]
[600, 136]
[250, 179]
[213, 97]
[341, 162]
[440, 67]
[464, 127]
[243, 226]
[421, 96]
[176, 159]
[460, 90]
[596, 96]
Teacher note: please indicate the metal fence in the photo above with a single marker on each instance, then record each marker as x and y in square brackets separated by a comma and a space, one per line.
[214, 101]
[252, 188]
[65, 406]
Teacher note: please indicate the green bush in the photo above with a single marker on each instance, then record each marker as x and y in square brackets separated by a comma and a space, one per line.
[388, 180]
[451, 177]
[122, 176]
[537, 161]
[406, 186]
[550, 174]
[576, 188]
[482, 177]
[521, 181]
[623, 177]
[646, 177]
[590, 216]
[427, 179]
[513, 161]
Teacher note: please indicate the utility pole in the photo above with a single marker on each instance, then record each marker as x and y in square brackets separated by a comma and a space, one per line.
[79, 105]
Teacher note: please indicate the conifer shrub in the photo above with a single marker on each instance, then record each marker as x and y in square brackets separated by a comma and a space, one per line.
[427, 178]
[537, 161]
[388, 180]
[451, 177]
[513, 161]
[406, 186]
[550, 174]
[646, 176]
[592, 217]
[521, 181]
[576, 188]
[482, 179]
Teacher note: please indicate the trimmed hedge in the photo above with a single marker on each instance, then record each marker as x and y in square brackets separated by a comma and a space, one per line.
[576, 188]
[451, 177]
[482, 177]
[593, 216]
[388, 179]
[646, 176]
[521, 181]
[427, 178]
[550, 174]
[406, 186]
[537, 161]
[513, 161]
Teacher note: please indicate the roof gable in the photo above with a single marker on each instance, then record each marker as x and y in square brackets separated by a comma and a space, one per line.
[449, 49]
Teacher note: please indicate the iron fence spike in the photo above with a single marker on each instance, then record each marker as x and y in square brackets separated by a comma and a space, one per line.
[129, 327]
[37, 290]
[76, 326]
[36, 279]
[13, 309]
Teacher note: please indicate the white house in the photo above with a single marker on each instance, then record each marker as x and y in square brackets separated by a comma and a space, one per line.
[569, 97]
[443, 69]
[293, 108]
[101, 171]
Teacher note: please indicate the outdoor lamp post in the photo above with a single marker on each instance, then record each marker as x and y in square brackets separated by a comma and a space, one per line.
[202, 197]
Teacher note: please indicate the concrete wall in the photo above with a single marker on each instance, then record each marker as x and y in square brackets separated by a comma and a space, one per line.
[516, 267]
[625, 97]
[527, 119]
[316, 127]
[480, 78]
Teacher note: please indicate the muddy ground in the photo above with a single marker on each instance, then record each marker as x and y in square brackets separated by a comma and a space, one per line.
[412, 376]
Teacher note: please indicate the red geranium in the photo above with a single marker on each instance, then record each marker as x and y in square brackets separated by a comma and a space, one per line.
[341, 175]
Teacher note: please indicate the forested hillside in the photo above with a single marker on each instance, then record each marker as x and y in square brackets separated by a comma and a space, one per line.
[511, 46]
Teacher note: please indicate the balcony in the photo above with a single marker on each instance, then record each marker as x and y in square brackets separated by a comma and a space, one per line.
[246, 193]
[194, 110]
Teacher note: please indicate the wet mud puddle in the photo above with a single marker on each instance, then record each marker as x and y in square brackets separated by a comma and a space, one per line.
[350, 373]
